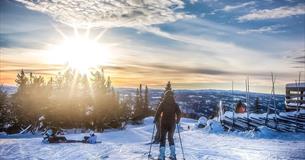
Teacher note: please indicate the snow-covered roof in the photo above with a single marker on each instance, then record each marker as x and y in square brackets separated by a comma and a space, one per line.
[295, 85]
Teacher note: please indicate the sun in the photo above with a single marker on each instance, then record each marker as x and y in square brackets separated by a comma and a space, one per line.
[80, 53]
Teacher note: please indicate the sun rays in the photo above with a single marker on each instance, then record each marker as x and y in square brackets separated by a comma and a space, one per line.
[80, 52]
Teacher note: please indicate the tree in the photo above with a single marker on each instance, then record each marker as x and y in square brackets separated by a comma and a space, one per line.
[64, 101]
[21, 81]
[257, 106]
[168, 86]
[146, 102]
[4, 108]
[137, 107]
[126, 107]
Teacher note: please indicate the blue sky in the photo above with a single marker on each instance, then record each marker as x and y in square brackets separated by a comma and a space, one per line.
[196, 44]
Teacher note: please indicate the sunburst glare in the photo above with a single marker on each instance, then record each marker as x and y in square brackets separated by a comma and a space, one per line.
[80, 53]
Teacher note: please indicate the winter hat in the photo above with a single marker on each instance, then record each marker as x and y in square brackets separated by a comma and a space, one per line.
[91, 133]
[49, 132]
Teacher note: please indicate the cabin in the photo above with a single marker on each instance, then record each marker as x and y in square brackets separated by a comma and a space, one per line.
[295, 97]
[240, 107]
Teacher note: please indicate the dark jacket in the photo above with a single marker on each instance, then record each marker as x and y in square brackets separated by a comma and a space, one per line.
[169, 112]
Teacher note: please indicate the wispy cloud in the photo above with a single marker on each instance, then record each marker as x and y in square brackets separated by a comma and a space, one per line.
[225, 54]
[275, 13]
[207, 1]
[193, 1]
[110, 13]
[264, 29]
[228, 8]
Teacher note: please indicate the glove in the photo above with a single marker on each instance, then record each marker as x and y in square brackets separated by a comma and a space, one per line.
[177, 121]
[154, 121]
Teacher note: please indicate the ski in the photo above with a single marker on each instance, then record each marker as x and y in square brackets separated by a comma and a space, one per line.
[149, 143]
[157, 158]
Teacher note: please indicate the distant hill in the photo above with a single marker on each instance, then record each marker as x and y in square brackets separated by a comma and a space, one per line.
[9, 89]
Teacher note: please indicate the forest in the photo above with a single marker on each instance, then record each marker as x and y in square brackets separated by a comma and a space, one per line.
[70, 100]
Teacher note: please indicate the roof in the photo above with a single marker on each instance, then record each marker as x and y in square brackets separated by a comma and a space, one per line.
[295, 85]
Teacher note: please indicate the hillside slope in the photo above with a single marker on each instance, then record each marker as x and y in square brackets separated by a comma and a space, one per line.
[129, 144]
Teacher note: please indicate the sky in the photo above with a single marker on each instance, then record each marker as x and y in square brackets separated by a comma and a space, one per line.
[195, 44]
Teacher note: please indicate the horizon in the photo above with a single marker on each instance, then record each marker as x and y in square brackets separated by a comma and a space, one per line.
[179, 89]
[195, 44]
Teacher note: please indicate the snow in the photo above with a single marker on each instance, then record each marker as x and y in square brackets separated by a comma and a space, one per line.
[295, 85]
[129, 144]
[214, 126]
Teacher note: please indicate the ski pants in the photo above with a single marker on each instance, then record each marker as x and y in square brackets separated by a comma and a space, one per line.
[168, 129]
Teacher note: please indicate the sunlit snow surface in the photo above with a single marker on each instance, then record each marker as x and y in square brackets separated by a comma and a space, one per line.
[130, 144]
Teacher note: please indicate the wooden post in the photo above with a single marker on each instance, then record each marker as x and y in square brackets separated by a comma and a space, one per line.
[233, 108]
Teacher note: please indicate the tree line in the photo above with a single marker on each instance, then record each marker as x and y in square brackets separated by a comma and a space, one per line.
[70, 100]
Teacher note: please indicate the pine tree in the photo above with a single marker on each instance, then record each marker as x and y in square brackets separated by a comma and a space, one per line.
[4, 108]
[64, 101]
[257, 106]
[168, 86]
[141, 97]
[126, 105]
[100, 112]
[21, 81]
[146, 102]
[138, 108]
[108, 85]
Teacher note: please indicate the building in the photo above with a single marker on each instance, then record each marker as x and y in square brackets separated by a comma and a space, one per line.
[295, 97]
[240, 107]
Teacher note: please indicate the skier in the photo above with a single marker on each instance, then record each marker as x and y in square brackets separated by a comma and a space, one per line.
[170, 114]
[91, 138]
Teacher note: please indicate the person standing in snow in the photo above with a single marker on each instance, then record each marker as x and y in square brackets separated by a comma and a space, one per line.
[170, 114]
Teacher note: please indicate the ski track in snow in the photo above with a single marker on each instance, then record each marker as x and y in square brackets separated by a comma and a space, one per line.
[129, 144]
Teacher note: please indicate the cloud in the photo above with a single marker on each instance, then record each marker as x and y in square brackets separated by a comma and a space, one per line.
[220, 54]
[264, 29]
[110, 13]
[296, 58]
[207, 1]
[193, 1]
[276, 13]
[228, 8]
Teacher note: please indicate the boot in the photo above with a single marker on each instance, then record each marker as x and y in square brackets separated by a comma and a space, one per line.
[162, 153]
[173, 152]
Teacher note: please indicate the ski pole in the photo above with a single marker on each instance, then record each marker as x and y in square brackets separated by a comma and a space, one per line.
[180, 141]
[151, 142]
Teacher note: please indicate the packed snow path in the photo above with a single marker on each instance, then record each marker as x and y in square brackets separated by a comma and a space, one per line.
[129, 144]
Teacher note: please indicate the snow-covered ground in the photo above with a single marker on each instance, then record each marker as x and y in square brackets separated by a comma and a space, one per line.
[130, 144]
